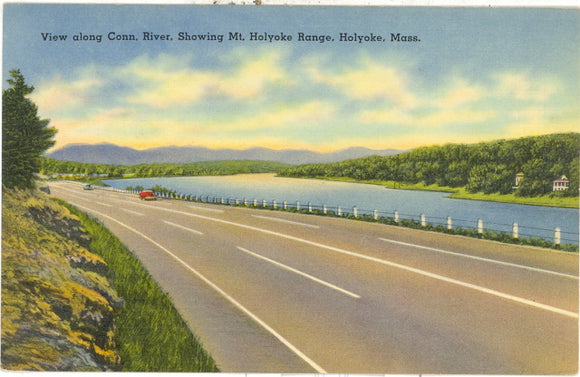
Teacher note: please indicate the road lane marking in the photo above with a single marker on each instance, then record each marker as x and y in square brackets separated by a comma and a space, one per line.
[481, 258]
[384, 262]
[393, 264]
[300, 273]
[183, 227]
[132, 212]
[286, 221]
[233, 301]
[103, 204]
[206, 209]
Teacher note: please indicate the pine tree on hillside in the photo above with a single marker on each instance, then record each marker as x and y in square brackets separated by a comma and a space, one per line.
[25, 137]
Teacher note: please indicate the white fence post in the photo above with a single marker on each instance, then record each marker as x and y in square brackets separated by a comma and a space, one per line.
[423, 220]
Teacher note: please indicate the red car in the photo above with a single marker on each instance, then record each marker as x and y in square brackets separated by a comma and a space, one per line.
[147, 195]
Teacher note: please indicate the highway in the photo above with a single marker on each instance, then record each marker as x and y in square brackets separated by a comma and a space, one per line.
[279, 292]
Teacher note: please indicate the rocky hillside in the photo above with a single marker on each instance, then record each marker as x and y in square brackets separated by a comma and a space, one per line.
[57, 303]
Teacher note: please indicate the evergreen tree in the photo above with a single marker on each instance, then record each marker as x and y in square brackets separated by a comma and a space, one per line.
[25, 137]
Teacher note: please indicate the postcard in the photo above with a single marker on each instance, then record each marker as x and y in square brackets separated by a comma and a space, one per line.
[290, 189]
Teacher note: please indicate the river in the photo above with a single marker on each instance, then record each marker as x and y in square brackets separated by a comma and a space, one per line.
[533, 221]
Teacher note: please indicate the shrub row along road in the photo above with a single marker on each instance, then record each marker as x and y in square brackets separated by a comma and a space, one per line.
[272, 291]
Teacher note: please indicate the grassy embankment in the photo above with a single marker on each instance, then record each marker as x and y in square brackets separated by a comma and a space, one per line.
[461, 193]
[75, 299]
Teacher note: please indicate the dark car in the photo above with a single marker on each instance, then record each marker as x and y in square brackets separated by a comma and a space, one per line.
[147, 195]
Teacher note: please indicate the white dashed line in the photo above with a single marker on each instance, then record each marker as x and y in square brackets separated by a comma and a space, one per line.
[300, 273]
[286, 221]
[183, 227]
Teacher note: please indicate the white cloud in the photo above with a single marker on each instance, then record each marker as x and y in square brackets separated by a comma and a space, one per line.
[521, 86]
[432, 120]
[253, 76]
[60, 93]
[460, 92]
[456, 102]
[273, 119]
[368, 80]
[169, 82]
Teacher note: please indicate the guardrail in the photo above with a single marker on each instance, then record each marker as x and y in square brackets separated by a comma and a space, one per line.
[514, 233]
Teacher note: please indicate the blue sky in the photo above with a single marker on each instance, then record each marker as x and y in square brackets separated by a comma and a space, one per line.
[477, 74]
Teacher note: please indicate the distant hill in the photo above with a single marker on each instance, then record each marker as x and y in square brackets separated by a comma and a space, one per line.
[118, 155]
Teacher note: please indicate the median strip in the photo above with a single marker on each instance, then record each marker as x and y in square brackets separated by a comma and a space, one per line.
[348, 293]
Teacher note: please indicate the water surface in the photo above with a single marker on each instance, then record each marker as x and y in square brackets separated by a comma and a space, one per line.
[534, 221]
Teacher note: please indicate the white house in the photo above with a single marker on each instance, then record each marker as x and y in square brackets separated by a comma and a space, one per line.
[560, 184]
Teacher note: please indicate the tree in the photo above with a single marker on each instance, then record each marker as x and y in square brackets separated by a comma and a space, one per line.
[25, 137]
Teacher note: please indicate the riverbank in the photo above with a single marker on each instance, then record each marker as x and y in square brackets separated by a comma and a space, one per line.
[455, 192]
[461, 193]
[394, 219]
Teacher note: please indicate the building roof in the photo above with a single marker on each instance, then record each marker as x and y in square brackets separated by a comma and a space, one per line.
[561, 179]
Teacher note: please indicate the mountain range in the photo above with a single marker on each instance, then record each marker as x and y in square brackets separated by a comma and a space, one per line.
[118, 155]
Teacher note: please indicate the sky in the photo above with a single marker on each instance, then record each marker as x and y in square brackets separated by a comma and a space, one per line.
[472, 75]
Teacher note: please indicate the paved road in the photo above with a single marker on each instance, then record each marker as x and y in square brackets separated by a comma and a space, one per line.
[270, 291]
